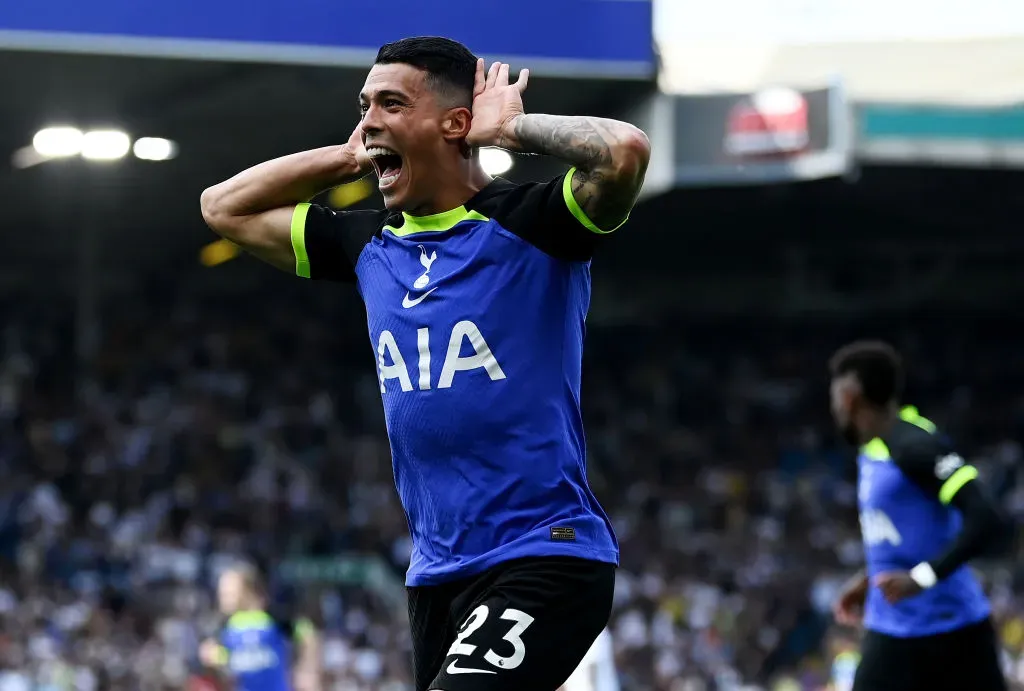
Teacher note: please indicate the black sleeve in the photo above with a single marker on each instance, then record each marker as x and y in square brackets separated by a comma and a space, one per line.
[983, 529]
[547, 215]
[292, 628]
[327, 243]
[287, 627]
[931, 463]
[935, 467]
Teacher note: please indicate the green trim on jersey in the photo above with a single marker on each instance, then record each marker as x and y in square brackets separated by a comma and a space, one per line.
[956, 482]
[250, 619]
[876, 450]
[435, 223]
[908, 413]
[304, 630]
[577, 211]
[299, 239]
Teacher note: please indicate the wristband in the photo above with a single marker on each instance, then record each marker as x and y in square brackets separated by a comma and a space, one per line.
[924, 575]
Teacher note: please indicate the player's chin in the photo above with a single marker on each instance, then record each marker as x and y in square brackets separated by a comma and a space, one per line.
[395, 194]
[394, 202]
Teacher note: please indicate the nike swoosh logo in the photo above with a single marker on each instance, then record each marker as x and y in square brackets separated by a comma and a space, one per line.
[454, 669]
[407, 303]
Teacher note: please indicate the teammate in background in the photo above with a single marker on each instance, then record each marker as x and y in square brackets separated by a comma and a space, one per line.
[596, 672]
[476, 293]
[845, 659]
[259, 651]
[923, 517]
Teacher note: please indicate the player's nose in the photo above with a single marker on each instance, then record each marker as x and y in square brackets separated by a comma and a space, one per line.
[371, 122]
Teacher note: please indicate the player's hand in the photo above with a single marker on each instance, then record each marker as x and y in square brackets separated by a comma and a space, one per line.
[896, 586]
[354, 147]
[848, 609]
[496, 105]
[209, 653]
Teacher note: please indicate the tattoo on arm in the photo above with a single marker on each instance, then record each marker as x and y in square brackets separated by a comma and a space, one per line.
[604, 185]
[576, 140]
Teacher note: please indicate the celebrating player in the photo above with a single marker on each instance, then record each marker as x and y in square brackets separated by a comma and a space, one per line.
[476, 292]
[923, 516]
[258, 649]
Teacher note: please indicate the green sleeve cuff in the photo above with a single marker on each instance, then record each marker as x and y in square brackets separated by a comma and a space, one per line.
[299, 239]
[578, 213]
[956, 482]
[304, 630]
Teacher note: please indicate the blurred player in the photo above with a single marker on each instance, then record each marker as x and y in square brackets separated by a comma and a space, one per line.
[259, 651]
[596, 672]
[923, 517]
[476, 294]
[845, 659]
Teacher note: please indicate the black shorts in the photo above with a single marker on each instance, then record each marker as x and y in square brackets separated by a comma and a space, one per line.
[523, 625]
[966, 659]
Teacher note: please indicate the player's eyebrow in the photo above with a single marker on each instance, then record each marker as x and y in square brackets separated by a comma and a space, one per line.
[382, 94]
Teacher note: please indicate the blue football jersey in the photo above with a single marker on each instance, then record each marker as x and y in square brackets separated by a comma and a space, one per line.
[258, 650]
[906, 482]
[476, 323]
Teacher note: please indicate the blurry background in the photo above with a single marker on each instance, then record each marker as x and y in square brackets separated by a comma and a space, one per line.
[823, 171]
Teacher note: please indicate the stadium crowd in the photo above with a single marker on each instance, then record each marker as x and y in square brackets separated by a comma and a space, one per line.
[212, 429]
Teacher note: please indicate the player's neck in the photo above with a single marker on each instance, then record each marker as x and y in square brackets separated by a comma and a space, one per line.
[254, 605]
[878, 423]
[466, 180]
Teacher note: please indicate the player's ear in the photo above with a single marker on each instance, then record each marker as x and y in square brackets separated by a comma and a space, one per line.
[456, 124]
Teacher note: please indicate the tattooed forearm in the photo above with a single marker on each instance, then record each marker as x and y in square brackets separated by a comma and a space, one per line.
[610, 158]
[576, 140]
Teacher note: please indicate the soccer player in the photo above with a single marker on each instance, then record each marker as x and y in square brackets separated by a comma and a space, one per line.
[923, 516]
[845, 659]
[258, 650]
[476, 293]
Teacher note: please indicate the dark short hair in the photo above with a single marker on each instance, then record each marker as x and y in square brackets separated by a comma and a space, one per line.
[450, 66]
[877, 366]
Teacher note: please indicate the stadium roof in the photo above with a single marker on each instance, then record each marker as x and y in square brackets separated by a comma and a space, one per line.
[228, 116]
[225, 116]
[961, 72]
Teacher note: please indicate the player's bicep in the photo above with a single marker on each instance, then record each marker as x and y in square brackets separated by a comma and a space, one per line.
[942, 472]
[599, 204]
[265, 235]
[957, 474]
[549, 217]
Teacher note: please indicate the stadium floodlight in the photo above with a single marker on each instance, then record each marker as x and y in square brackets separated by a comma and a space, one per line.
[154, 149]
[495, 161]
[105, 145]
[58, 142]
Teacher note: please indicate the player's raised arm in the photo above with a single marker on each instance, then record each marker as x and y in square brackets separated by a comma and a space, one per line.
[308, 657]
[255, 208]
[610, 157]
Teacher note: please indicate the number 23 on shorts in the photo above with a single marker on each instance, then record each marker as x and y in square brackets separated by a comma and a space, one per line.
[519, 621]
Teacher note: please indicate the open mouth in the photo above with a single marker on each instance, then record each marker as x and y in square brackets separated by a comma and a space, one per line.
[387, 163]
